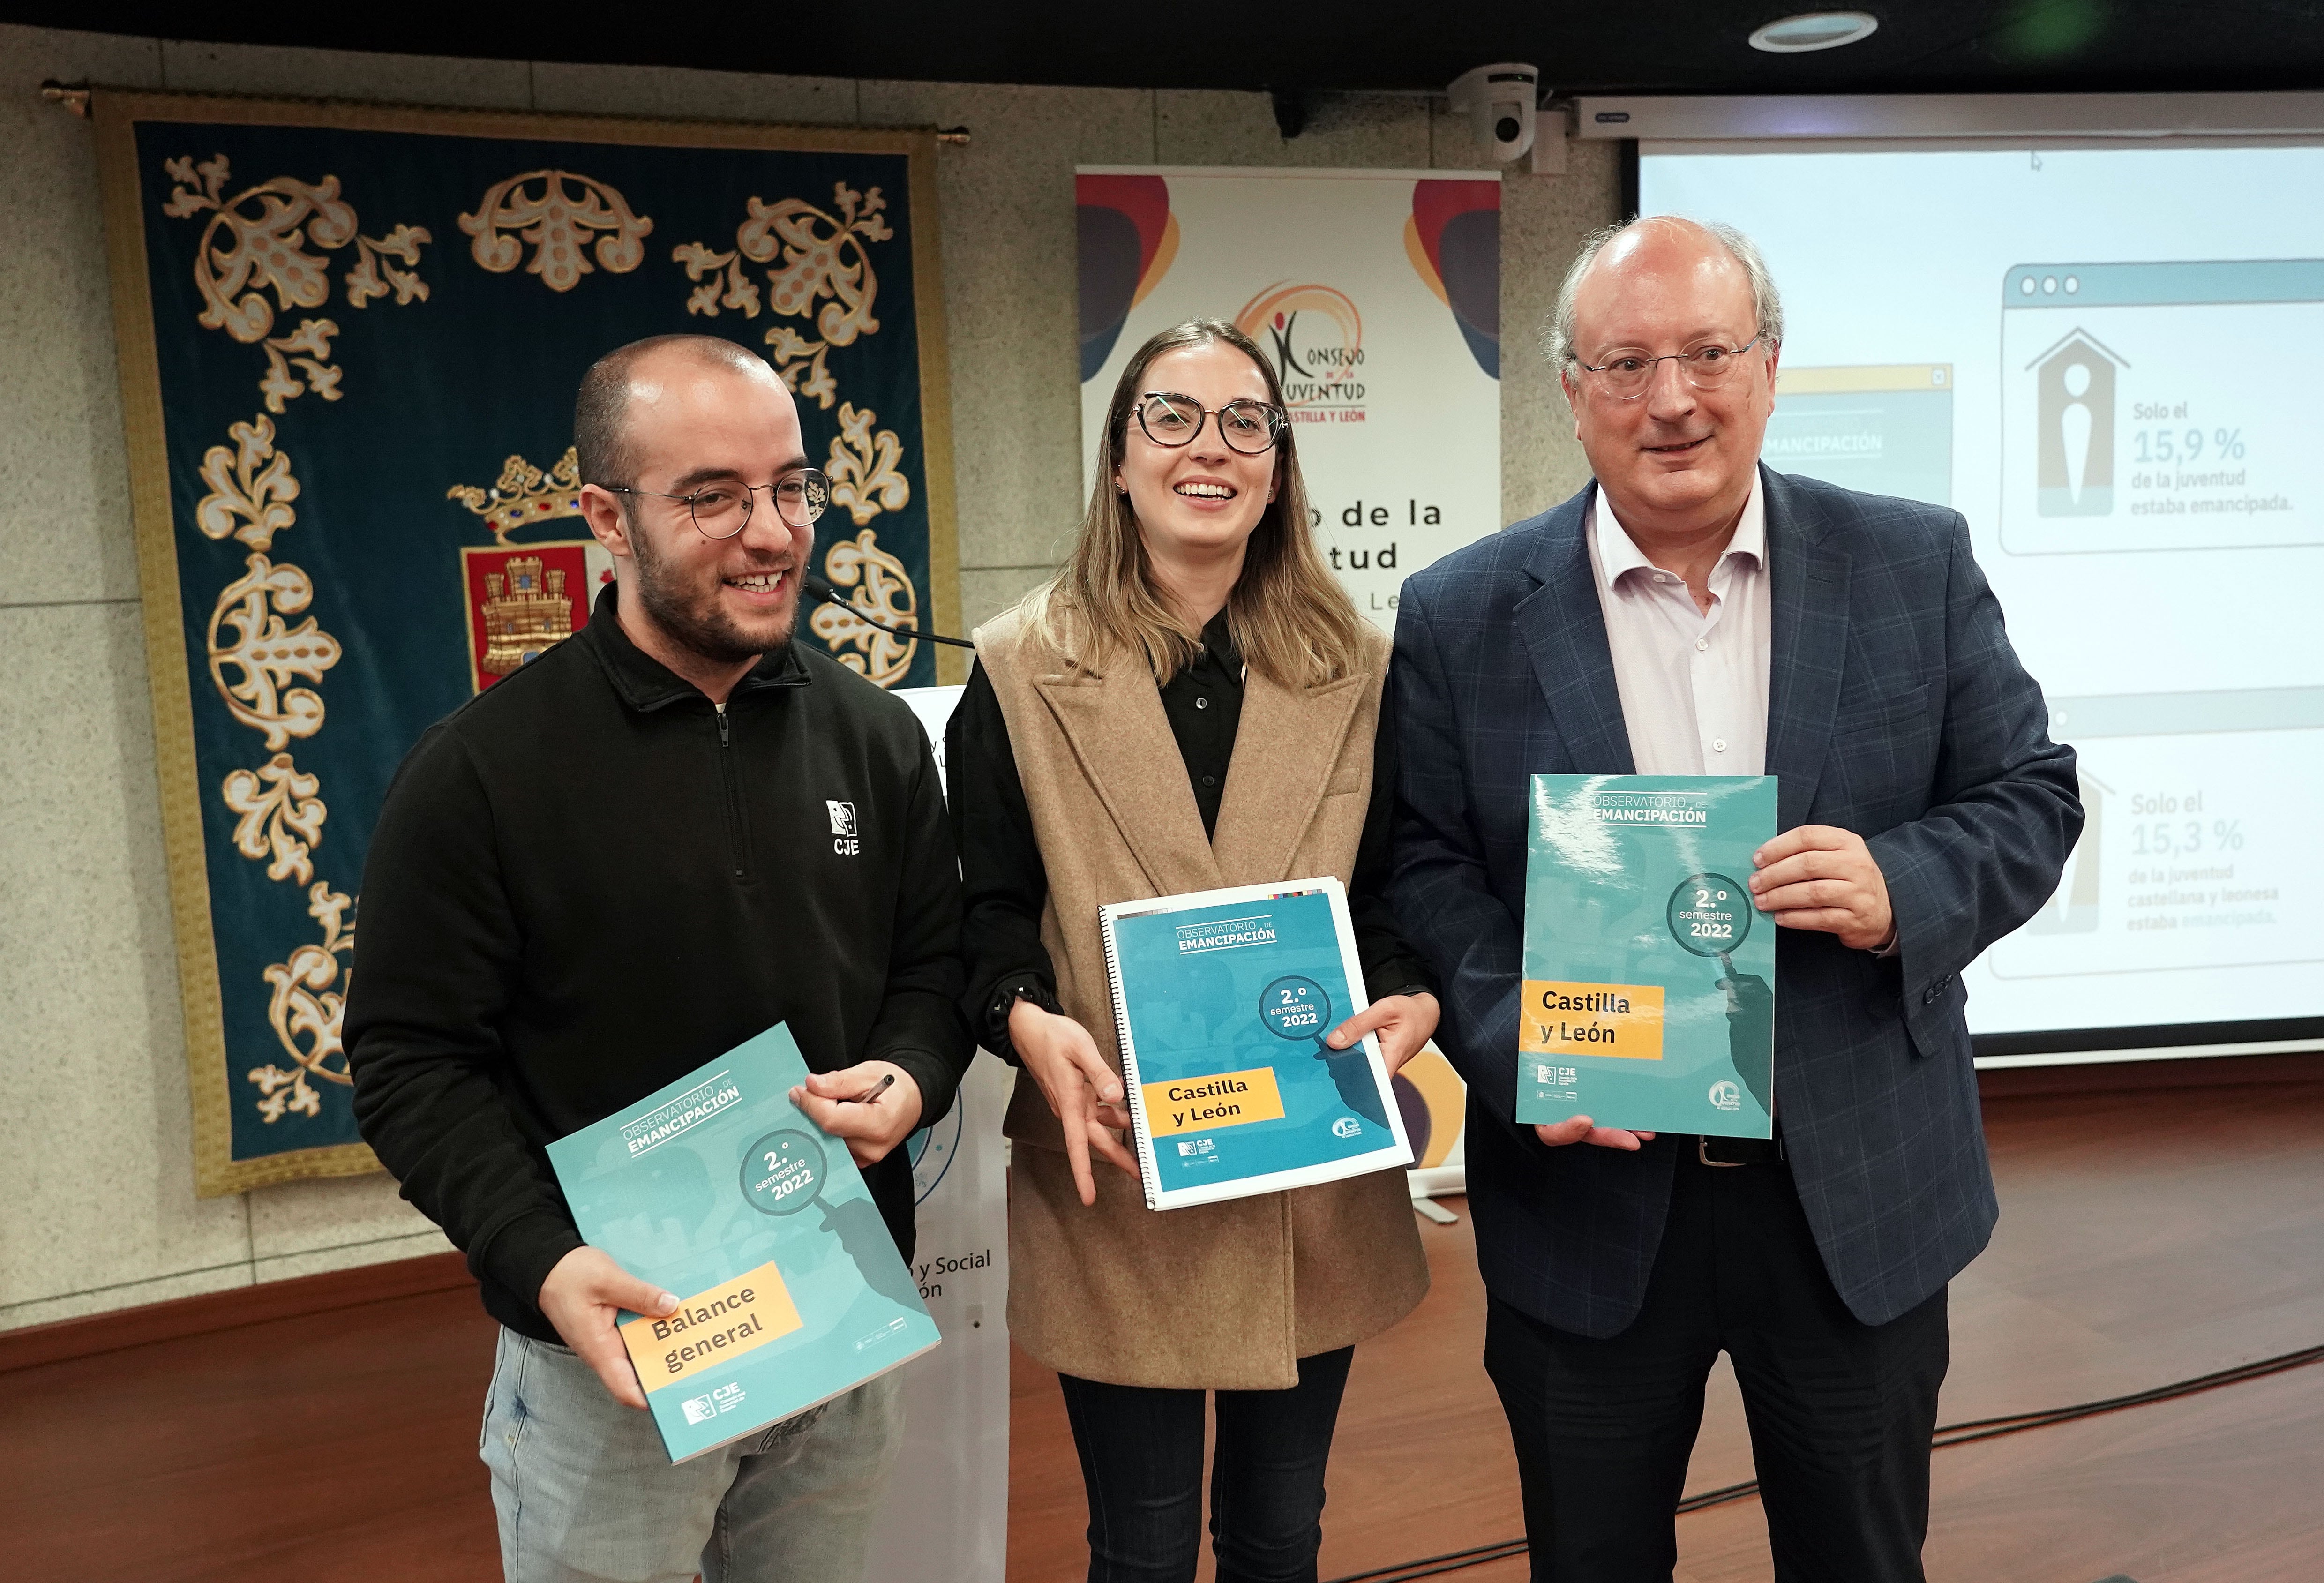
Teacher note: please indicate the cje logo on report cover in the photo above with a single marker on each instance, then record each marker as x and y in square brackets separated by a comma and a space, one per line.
[1726, 1095]
[842, 828]
[704, 1408]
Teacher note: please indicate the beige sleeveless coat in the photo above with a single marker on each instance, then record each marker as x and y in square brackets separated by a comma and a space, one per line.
[1218, 1296]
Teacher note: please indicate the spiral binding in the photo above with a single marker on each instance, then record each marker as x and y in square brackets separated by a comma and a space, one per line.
[1149, 1172]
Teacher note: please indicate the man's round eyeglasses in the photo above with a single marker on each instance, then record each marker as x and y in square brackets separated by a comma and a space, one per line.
[1625, 378]
[721, 510]
[1171, 419]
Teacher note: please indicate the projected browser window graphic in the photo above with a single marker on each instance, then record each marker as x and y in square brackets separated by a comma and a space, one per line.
[2102, 358]
[2137, 411]
[1882, 429]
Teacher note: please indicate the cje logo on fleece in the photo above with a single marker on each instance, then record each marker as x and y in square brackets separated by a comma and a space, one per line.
[842, 829]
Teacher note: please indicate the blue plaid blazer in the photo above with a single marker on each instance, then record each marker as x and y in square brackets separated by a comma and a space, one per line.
[1896, 709]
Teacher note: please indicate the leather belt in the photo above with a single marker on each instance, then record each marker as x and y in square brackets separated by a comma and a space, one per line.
[1739, 1151]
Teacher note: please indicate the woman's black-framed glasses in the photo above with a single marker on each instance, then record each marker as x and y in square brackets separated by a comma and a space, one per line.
[721, 510]
[1171, 419]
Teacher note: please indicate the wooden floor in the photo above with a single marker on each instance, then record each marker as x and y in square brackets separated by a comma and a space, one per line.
[2144, 1237]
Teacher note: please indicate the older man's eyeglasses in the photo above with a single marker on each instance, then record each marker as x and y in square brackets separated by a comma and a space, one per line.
[1168, 418]
[1627, 377]
[723, 509]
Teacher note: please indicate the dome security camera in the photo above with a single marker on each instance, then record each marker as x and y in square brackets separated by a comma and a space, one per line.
[1500, 101]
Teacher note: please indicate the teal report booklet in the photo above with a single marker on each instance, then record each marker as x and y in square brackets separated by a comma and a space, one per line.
[1649, 978]
[719, 1188]
[1222, 998]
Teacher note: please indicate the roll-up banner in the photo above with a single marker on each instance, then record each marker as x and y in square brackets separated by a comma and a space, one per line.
[1375, 295]
[945, 1514]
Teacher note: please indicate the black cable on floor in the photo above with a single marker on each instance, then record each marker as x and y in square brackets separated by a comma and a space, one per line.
[1429, 1566]
[1981, 1428]
[1947, 1434]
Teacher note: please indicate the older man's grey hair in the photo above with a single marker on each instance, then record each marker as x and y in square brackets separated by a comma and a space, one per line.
[1766, 302]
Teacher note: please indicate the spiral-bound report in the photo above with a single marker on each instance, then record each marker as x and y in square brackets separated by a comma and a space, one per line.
[1223, 999]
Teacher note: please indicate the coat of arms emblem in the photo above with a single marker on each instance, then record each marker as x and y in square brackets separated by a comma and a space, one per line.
[523, 599]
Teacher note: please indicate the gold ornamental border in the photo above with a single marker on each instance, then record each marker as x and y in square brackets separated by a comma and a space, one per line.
[116, 114]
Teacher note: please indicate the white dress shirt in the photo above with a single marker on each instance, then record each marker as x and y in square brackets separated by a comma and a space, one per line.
[1694, 684]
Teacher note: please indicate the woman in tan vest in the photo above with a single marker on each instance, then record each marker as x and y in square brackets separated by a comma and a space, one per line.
[1192, 702]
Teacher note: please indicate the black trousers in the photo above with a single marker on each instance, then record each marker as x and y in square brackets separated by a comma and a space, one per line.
[1839, 1412]
[1142, 1451]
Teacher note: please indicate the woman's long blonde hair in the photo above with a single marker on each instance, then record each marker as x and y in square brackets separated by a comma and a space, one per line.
[1291, 620]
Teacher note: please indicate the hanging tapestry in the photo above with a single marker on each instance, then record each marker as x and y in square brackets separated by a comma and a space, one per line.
[350, 339]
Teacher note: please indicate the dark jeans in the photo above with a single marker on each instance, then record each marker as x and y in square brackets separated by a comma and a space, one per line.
[1142, 1451]
[1839, 1412]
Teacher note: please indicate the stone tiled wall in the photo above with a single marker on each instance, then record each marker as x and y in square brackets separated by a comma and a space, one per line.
[97, 1202]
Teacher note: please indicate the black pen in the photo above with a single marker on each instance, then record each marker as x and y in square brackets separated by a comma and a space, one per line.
[872, 1093]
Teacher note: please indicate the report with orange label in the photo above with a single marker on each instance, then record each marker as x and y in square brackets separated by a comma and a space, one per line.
[720, 1190]
[1224, 1001]
[1647, 1000]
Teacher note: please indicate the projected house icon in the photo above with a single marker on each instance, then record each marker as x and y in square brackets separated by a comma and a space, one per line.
[2074, 405]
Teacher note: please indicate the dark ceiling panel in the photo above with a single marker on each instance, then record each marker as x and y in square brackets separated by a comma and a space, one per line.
[1680, 46]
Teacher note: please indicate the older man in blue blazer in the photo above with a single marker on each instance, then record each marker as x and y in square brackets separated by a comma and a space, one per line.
[1694, 612]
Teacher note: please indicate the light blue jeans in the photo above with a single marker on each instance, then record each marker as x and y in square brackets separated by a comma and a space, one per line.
[586, 1495]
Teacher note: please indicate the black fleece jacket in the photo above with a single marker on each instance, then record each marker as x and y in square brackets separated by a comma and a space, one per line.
[588, 881]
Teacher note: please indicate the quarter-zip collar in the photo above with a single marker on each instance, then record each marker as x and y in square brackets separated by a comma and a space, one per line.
[645, 683]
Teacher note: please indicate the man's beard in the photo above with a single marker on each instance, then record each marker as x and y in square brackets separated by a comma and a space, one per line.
[695, 620]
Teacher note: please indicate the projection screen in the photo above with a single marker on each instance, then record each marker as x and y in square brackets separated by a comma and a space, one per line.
[2105, 348]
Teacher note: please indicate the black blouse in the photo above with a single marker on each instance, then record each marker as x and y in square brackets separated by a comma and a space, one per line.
[1007, 883]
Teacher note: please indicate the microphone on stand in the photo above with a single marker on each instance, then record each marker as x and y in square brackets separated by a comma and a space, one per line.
[818, 588]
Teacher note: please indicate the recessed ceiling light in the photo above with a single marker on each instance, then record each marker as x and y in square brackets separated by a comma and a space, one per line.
[1814, 30]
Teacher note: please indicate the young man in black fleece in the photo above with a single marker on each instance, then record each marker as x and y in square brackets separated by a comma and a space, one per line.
[652, 842]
